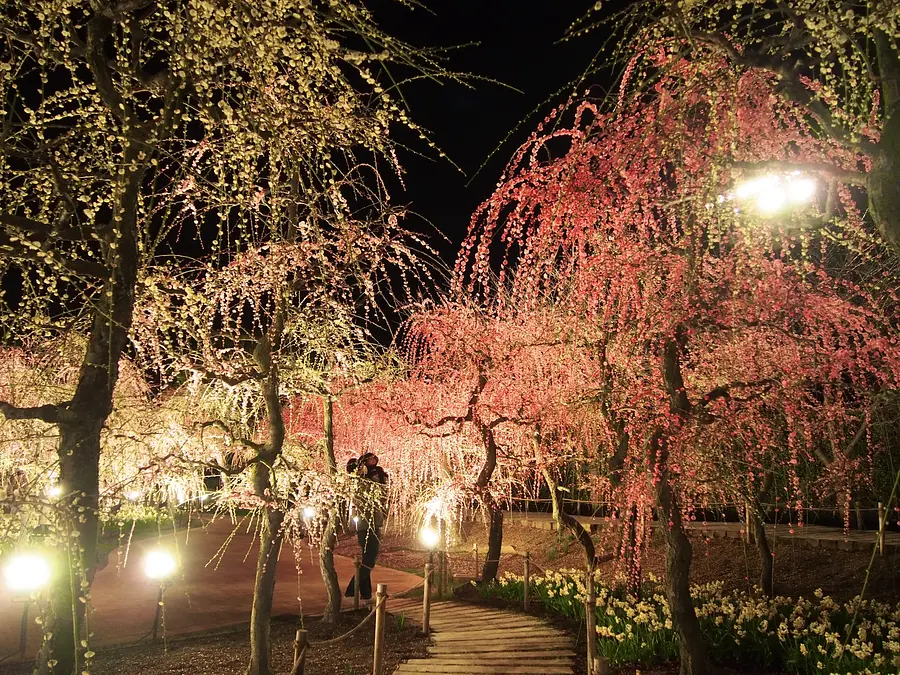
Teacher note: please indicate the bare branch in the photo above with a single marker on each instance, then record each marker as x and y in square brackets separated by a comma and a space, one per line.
[246, 442]
[49, 413]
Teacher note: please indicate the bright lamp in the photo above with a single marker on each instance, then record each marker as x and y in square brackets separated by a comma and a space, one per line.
[430, 537]
[159, 565]
[26, 572]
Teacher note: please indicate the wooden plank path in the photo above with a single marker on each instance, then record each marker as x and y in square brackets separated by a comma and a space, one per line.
[473, 640]
[811, 536]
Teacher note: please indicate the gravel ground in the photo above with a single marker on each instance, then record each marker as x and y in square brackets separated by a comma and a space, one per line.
[227, 654]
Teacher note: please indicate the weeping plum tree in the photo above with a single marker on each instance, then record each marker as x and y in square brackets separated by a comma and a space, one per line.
[276, 323]
[489, 378]
[119, 118]
[709, 319]
[835, 65]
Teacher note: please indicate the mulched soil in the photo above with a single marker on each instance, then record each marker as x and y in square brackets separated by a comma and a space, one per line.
[227, 654]
[799, 570]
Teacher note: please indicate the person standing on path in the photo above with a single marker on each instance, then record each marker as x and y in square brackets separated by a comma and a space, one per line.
[371, 519]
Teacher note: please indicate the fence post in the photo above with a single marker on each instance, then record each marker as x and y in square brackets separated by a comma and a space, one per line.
[590, 604]
[426, 599]
[380, 607]
[475, 552]
[527, 580]
[747, 522]
[300, 643]
[882, 525]
[356, 563]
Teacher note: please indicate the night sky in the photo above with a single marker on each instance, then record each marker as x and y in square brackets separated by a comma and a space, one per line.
[519, 46]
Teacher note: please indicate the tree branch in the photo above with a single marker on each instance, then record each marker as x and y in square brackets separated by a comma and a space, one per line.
[838, 174]
[246, 442]
[49, 413]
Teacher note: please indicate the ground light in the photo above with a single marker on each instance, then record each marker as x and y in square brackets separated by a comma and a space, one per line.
[160, 566]
[26, 573]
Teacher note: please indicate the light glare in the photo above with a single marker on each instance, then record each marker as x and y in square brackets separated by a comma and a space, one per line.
[429, 537]
[159, 565]
[309, 512]
[26, 573]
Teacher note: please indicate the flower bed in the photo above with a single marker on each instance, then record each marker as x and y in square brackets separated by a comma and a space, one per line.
[804, 636]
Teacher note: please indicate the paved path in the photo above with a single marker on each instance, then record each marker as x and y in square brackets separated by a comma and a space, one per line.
[812, 536]
[203, 597]
[473, 640]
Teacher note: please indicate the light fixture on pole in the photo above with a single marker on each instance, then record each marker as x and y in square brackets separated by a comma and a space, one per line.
[160, 566]
[26, 573]
[772, 193]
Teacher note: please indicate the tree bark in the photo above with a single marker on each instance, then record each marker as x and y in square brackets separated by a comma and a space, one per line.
[563, 519]
[767, 567]
[329, 536]
[79, 441]
[271, 535]
[495, 544]
[495, 535]
[884, 178]
[691, 644]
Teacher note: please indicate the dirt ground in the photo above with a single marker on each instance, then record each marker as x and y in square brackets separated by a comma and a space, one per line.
[799, 570]
[227, 653]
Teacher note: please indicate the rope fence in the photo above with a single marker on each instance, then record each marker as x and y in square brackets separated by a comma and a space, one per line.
[723, 505]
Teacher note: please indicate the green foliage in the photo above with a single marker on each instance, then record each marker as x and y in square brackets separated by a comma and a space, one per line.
[804, 636]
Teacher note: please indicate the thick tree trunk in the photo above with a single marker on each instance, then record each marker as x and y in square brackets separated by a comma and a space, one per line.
[329, 536]
[691, 645]
[495, 544]
[79, 447]
[884, 178]
[270, 538]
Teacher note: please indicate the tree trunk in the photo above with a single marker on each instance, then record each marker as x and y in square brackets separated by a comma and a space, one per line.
[79, 445]
[691, 645]
[495, 543]
[326, 567]
[562, 518]
[767, 567]
[270, 538]
[329, 537]
[884, 178]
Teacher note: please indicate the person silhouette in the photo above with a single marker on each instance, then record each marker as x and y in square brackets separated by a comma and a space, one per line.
[371, 519]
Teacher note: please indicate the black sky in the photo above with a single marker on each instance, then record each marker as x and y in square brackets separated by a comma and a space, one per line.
[518, 44]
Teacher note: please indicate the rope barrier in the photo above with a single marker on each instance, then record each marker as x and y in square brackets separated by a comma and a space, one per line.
[832, 509]
[348, 633]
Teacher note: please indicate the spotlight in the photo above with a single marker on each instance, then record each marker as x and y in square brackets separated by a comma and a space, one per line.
[159, 565]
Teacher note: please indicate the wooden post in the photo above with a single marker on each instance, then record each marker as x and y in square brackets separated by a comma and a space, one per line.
[300, 643]
[356, 564]
[747, 521]
[380, 607]
[860, 523]
[475, 553]
[426, 599]
[590, 604]
[527, 580]
[882, 526]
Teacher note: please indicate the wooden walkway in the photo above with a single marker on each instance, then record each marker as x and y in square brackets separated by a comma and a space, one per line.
[473, 640]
